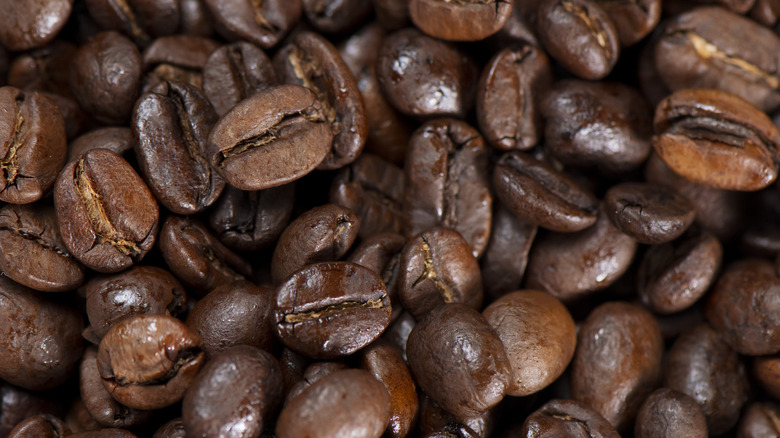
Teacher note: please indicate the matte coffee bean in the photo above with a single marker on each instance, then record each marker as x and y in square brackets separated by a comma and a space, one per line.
[506, 256]
[235, 394]
[141, 20]
[40, 426]
[453, 343]
[329, 310]
[618, 361]
[759, 420]
[766, 370]
[42, 339]
[386, 364]
[32, 251]
[262, 23]
[149, 361]
[116, 139]
[272, 138]
[538, 193]
[453, 190]
[336, 16]
[391, 14]
[108, 217]
[567, 418]
[437, 267]
[667, 413]
[363, 409]
[311, 61]
[633, 20]
[459, 21]
[44, 69]
[33, 144]
[651, 214]
[765, 12]
[32, 23]
[717, 139]
[321, 234]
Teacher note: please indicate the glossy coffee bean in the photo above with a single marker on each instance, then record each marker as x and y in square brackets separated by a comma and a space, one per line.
[633, 20]
[568, 418]
[171, 429]
[149, 361]
[108, 217]
[667, 413]
[506, 256]
[141, 20]
[765, 12]
[272, 138]
[40, 426]
[386, 364]
[331, 309]
[382, 254]
[311, 375]
[459, 21]
[434, 421]
[19, 404]
[717, 139]
[117, 139]
[32, 24]
[453, 343]
[261, 23]
[44, 69]
[177, 58]
[336, 16]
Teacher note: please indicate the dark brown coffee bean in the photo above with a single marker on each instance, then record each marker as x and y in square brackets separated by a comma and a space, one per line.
[363, 408]
[263, 23]
[434, 421]
[312, 374]
[234, 72]
[454, 344]
[567, 418]
[171, 124]
[148, 361]
[694, 52]
[171, 429]
[766, 12]
[108, 217]
[40, 426]
[633, 20]
[537, 192]
[16, 404]
[104, 433]
[178, 58]
[197, 257]
[673, 276]
[701, 365]
[437, 267]
[32, 134]
[44, 69]
[138, 290]
[506, 256]
[313, 62]
[336, 16]
[392, 14]
[117, 139]
[580, 35]
[329, 310]
[760, 420]
[32, 251]
[398, 332]
[78, 418]
[382, 254]
[605, 125]
[272, 138]
[42, 339]
[32, 23]
[508, 95]
[718, 139]
[766, 371]
[447, 183]
[460, 21]
[195, 18]
[618, 361]
[321, 234]
[236, 394]
[425, 77]
[573, 265]
[105, 76]
[668, 414]
[649, 213]
[141, 20]
[386, 364]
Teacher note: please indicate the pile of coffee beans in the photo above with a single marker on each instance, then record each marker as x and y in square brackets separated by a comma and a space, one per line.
[389, 218]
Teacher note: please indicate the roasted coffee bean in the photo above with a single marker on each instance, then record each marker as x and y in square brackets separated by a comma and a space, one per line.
[538, 193]
[32, 133]
[673, 276]
[235, 394]
[460, 21]
[171, 124]
[436, 268]
[336, 16]
[454, 344]
[567, 418]
[105, 76]
[141, 20]
[311, 61]
[425, 77]
[42, 339]
[293, 366]
[171, 429]
[398, 332]
[633, 20]
[331, 309]
[148, 361]
[263, 23]
[104, 433]
[580, 35]
[760, 420]
[694, 52]
[572, 265]
[508, 95]
[234, 314]
[40, 426]
[392, 14]
[744, 307]
[667, 414]
[234, 72]
[117, 139]
[446, 182]
[32, 23]
[312, 374]
[16, 404]
[766, 370]
[382, 254]
[138, 290]
[766, 12]
[717, 139]
[197, 257]
[321, 234]
[618, 361]
[32, 252]
[597, 124]
[538, 335]
[701, 365]
[272, 138]
[45, 69]
[517, 30]
[433, 421]
[363, 408]
[506, 256]
[195, 18]
[108, 217]
[179, 58]
[649, 213]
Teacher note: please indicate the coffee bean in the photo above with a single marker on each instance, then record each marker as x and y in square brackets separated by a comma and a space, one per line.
[336, 16]
[19, 404]
[382, 254]
[391, 14]
[171, 429]
[311, 375]
[262, 23]
[765, 12]
[44, 69]
[567, 418]
[668, 413]
[141, 20]
[178, 58]
[40, 426]
[116, 139]
[506, 256]
[460, 21]
[434, 421]
[766, 370]
[32, 24]
[104, 433]
[759, 420]
[632, 20]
